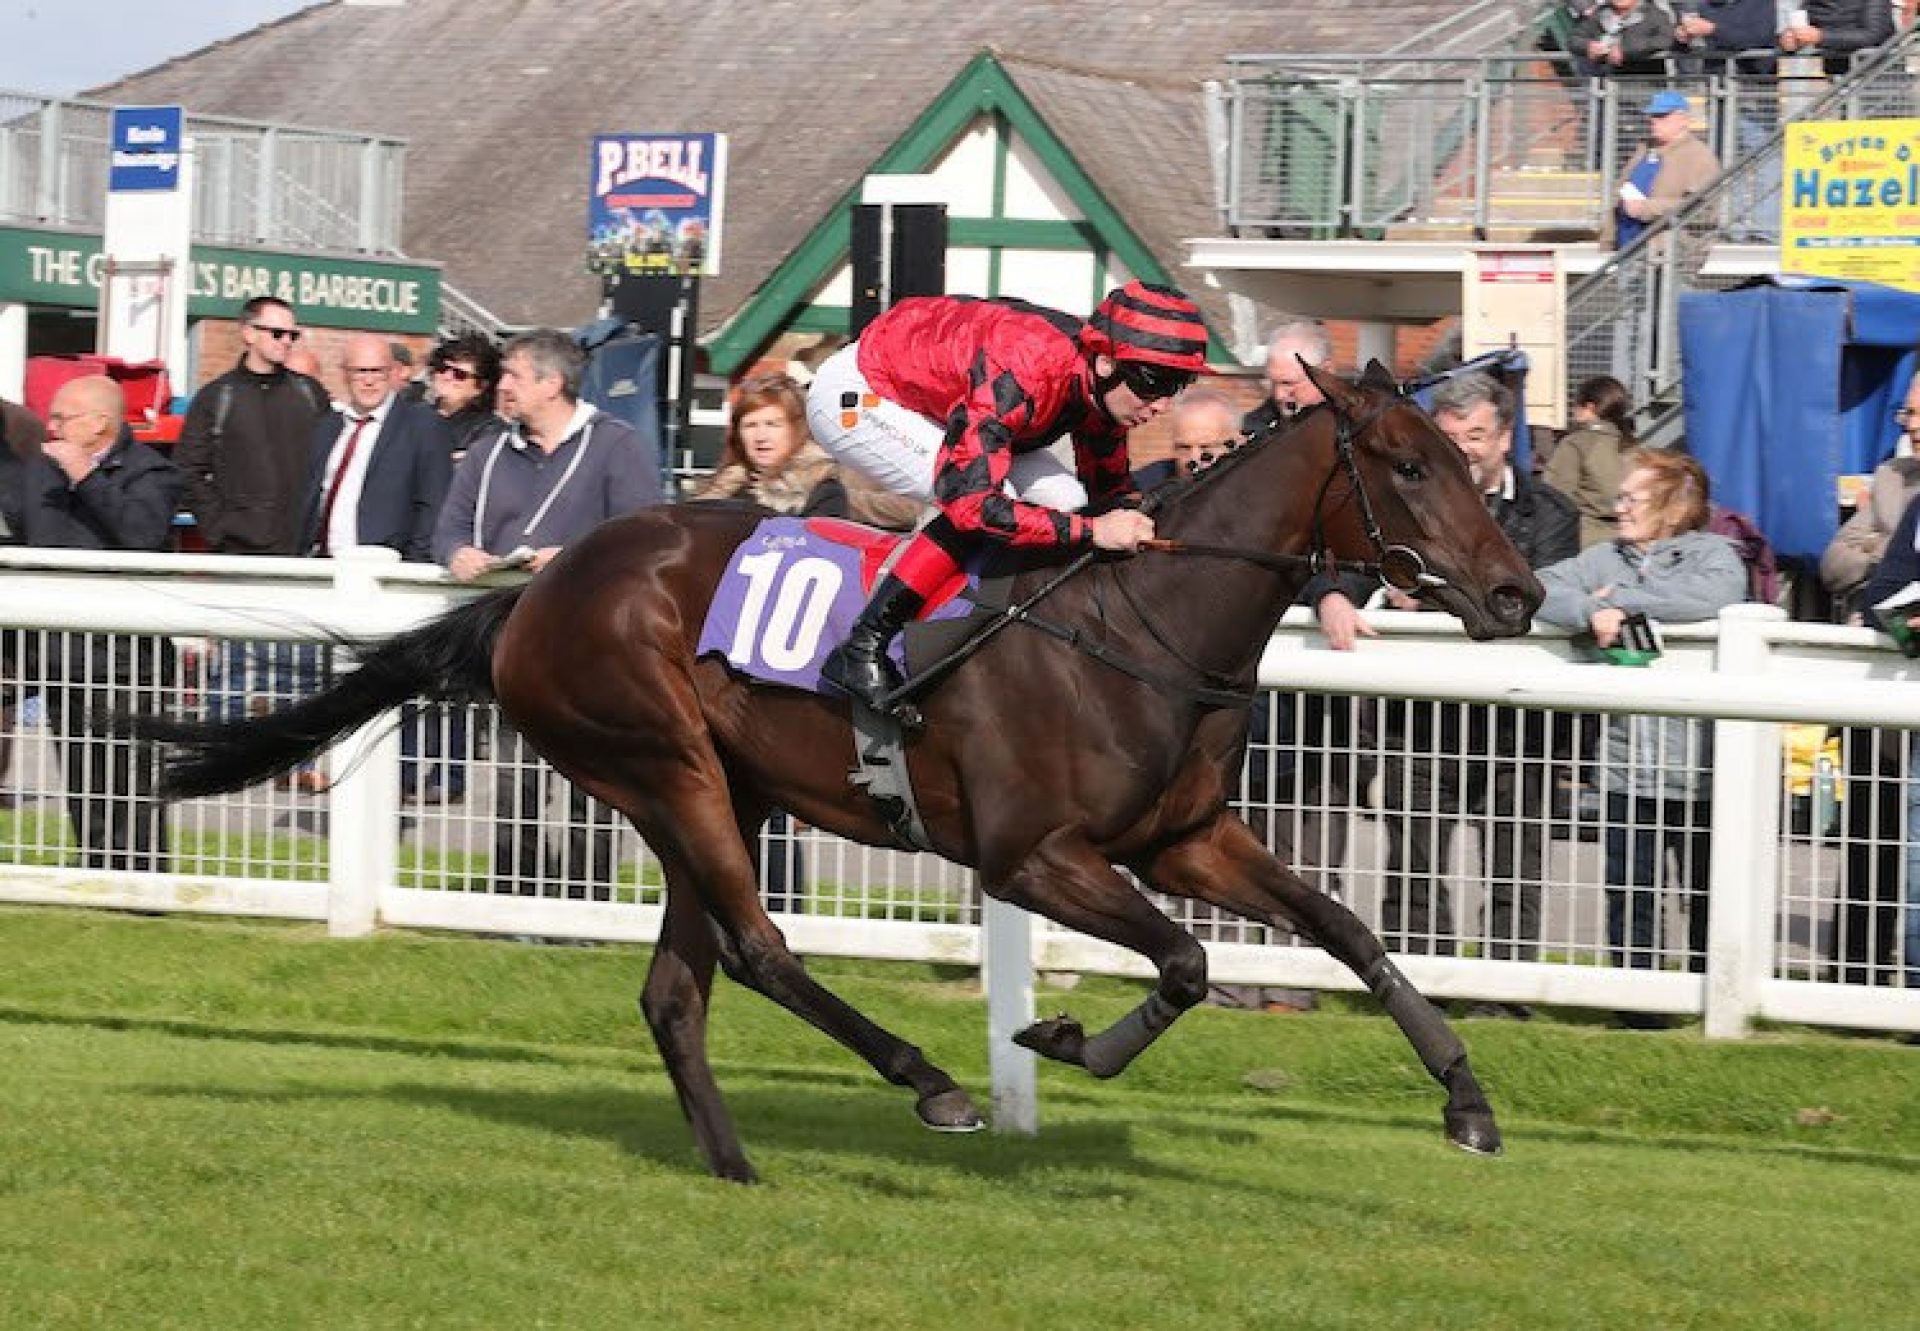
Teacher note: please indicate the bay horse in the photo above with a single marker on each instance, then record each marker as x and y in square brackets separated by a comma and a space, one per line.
[1041, 765]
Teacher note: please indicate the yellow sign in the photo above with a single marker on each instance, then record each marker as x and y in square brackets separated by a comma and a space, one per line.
[1850, 201]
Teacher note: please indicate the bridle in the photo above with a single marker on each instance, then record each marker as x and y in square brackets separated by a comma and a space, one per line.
[1398, 566]
[1216, 690]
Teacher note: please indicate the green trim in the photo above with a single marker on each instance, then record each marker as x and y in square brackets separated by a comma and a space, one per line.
[983, 87]
[1012, 233]
[821, 319]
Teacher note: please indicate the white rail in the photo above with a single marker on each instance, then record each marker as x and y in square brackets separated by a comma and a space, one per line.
[1750, 673]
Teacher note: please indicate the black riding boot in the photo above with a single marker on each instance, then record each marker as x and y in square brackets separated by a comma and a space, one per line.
[860, 666]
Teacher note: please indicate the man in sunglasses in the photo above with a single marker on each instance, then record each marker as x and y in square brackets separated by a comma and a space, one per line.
[243, 445]
[955, 400]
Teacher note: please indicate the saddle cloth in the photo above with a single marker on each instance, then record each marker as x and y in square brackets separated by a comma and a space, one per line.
[792, 591]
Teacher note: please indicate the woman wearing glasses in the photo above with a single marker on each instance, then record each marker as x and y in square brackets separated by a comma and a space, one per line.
[1655, 772]
[956, 399]
[462, 375]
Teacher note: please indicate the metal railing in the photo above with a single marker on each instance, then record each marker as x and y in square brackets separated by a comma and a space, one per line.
[1793, 902]
[255, 183]
[1623, 318]
[1355, 146]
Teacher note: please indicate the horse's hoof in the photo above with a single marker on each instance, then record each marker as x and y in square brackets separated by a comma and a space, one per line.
[1473, 1131]
[1060, 1038]
[950, 1111]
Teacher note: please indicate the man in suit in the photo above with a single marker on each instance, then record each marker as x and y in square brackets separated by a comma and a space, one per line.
[377, 471]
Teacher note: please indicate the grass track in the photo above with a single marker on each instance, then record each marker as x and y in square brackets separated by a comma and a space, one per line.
[220, 1124]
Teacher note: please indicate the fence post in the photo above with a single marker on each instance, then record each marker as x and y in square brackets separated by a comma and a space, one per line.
[363, 802]
[1006, 965]
[1745, 838]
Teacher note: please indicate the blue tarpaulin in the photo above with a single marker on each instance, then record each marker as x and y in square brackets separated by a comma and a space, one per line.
[1790, 383]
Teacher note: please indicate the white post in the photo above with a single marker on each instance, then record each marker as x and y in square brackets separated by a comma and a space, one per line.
[1745, 836]
[363, 803]
[1006, 945]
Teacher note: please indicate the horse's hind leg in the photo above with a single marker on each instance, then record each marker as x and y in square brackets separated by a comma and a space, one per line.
[1226, 865]
[703, 853]
[674, 1001]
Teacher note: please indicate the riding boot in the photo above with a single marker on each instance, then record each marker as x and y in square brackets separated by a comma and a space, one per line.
[860, 666]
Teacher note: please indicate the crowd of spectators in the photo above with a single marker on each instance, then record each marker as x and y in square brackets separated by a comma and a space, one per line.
[491, 464]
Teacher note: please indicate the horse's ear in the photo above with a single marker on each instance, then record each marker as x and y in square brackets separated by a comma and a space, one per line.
[1343, 397]
[1379, 376]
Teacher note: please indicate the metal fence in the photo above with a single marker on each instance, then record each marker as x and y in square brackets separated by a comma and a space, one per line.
[1787, 893]
[255, 183]
[1623, 318]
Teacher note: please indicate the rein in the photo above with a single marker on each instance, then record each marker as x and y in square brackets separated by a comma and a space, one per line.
[1217, 691]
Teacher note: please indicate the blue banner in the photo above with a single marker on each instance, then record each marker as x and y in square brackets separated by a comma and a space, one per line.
[145, 157]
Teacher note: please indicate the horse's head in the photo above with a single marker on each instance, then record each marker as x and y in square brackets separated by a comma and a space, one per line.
[1410, 504]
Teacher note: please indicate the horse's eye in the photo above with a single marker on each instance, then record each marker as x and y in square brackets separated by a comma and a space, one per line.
[1409, 471]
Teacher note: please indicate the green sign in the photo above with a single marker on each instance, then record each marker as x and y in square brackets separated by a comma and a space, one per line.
[64, 268]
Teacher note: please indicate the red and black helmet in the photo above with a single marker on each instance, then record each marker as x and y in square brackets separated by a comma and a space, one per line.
[1159, 325]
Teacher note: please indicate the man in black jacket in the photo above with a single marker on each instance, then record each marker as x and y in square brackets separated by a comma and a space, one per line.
[1487, 764]
[94, 488]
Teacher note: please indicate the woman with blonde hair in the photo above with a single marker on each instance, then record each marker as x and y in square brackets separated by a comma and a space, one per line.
[1655, 772]
[772, 460]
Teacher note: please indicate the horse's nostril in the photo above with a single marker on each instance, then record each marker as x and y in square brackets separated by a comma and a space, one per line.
[1510, 605]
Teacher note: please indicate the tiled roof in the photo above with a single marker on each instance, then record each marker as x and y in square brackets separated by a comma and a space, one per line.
[498, 102]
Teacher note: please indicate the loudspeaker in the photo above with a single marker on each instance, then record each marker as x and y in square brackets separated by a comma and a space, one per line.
[647, 300]
[916, 259]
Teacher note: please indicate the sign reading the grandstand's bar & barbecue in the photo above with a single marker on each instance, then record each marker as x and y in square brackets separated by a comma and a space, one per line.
[1850, 201]
[655, 203]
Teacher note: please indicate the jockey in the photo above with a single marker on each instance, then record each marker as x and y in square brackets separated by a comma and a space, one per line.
[954, 399]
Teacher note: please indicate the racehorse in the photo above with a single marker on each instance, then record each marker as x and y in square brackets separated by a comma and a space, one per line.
[1043, 764]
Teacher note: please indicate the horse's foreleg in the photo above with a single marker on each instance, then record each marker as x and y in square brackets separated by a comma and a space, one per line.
[674, 1001]
[1228, 866]
[1069, 882]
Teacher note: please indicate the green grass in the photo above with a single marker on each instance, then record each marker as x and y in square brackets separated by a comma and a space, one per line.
[221, 1124]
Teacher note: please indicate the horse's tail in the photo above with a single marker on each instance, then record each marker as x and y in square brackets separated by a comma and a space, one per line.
[448, 659]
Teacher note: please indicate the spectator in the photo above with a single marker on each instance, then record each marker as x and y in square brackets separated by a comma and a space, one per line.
[243, 452]
[1656, 772]
[378, 470]
[1204, 424]
[1838, 29]
[376, 476]
[1862, 540]
[1663, 173]
[1624, 37]
[94, 488]
[560, 469]
[21, 434]
[1899, 567]
[1308, 749]
[1585, 466]
[770, 459]
[464, 374]
[1444, 760]
[243, 445]
[405, 386]
[957, 399]
[1867, 905]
